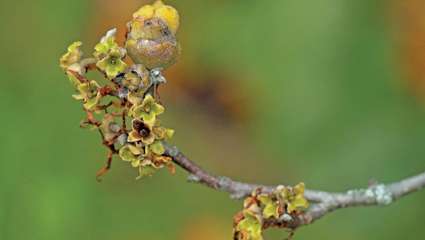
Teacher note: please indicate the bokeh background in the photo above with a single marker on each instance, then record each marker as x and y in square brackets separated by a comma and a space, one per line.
[328, 92]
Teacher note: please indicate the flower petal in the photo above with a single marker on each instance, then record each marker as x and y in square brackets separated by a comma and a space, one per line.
[133, 136]
[72, 56]
[169, 133]
[249, 228]
[146, 171]
[134, 98]
[126, 154]
[92, 102]
[136, 163]
[271, 208]
[157, 148]
[157, 109]
[148, 118]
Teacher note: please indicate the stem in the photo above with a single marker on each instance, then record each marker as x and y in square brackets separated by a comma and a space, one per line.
[324, 202]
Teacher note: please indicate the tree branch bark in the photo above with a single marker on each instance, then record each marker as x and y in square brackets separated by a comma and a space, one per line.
[323, 202]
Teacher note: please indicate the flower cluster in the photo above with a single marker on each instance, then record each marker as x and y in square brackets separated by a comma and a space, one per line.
[284, 203]
[125, 109]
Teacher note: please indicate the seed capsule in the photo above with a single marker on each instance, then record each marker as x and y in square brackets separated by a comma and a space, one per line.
[151, 39]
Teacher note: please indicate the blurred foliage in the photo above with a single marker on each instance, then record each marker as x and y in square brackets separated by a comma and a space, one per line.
[310, 91]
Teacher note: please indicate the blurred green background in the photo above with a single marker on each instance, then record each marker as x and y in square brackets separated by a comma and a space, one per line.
[327, 92]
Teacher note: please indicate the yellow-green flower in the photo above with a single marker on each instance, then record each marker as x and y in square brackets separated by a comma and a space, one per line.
[109, 127]
[89, 93]
[157, 148]
[145, 171]
[162, 133]
[135, 155]
[147, 167]
[152, 162]
[112, 64]
[161, 161]
[271, 207]
[72, 56]
[106, 44]
[110, 55]
[135, 98]
[131, 153]
[249, 228]
[141, 132]
[137, 78]
[294, 197]
[147, 110]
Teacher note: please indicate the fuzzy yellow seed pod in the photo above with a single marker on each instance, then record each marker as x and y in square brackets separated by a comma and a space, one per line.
[159, 10]
[151, 39]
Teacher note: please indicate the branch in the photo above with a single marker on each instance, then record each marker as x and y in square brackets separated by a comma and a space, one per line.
[323, 202]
